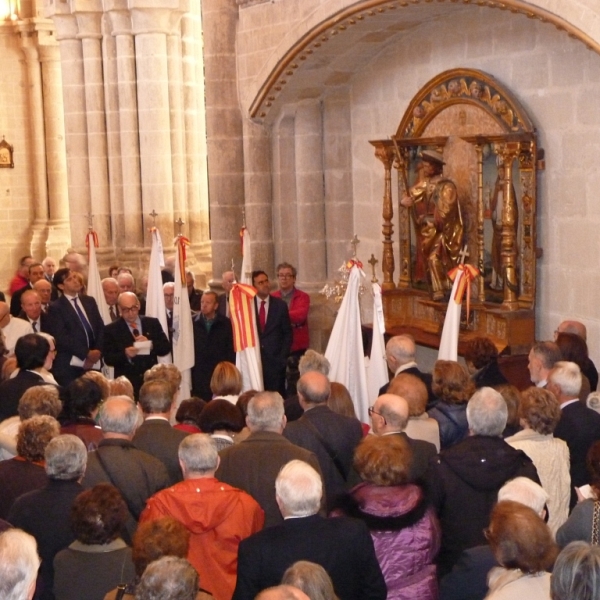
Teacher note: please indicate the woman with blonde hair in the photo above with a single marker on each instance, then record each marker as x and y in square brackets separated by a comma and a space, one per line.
[226, 382]
[539, 413]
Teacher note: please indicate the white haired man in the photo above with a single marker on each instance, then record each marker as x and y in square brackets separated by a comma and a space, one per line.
[253, 465]
[45, 513]
[400, 355]
[579, 426]
[217, 518]
[465, 478]
[136, 474]
[343, 547]
[19, 564]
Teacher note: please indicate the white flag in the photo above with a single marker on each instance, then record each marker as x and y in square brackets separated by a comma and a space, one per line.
[449, 340]
[377, 371]
[246, 274]
[183, 332]
[155, 298]
[345, 348]
[94, 284]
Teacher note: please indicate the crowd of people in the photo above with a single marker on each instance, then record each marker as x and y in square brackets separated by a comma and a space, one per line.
[460, 486]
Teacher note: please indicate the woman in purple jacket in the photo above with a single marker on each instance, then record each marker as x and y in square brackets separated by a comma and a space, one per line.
[405, 530]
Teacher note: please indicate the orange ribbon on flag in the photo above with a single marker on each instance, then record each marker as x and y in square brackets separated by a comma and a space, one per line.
[94, 237]
[350, 263]
[469, 274]
[241, 301]
[182, 242]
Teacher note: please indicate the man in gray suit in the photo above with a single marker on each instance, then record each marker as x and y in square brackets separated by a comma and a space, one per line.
[253, 465]
[155, 435]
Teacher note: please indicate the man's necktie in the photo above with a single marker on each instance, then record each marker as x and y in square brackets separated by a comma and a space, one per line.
[34, 325]
[113, 314]
[262, 315]
[86, 324]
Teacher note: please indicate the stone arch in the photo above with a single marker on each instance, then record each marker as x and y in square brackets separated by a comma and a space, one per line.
[308, 41]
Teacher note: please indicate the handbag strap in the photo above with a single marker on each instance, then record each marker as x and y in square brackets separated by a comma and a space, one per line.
[596, 523]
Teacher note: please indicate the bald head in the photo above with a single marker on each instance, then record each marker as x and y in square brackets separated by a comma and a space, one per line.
[126, 282]
[31, 304]
[390, 414]
[44, 288]
[313, 388]
[228, 279]
[575, 327]
[399, 351]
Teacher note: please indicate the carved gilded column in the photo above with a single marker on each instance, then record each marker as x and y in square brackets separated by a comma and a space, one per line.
[480, 223]
[527, 159]
[386, 156]
[508, 248]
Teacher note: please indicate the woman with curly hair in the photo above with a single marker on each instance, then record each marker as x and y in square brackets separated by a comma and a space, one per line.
[98, 559]
[539, 414]
[26, 472]
[523, 546]
[453, 387]
[405, 531]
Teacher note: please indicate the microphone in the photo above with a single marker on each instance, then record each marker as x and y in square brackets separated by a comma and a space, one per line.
[136, 333]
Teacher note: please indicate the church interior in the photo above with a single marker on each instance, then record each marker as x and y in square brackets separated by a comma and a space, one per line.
[224, 113]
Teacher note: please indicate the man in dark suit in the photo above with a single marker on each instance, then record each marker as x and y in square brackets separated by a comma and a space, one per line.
[155, 435]
[579, 426]
[32, 352]
[274, 332]
[213, 343]
[253, 464]
[78, 328]
[343, 547]
[122, 340]
[31, 311]
[389, 416]
[400, 355]
[332, 437]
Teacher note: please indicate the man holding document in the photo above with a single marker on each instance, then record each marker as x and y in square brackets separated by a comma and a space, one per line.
[133, 343]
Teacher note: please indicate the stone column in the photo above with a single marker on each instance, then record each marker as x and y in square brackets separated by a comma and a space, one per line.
[224, 133]
[89, 23]
[59, 227]
[150, 28]
[310, 194]
[75, 112]
[195, 135]
[174, 67]
[257, 186]
[38, 147]
[128, 225]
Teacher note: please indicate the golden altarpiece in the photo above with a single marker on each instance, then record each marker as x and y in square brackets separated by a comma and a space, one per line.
[487, 145]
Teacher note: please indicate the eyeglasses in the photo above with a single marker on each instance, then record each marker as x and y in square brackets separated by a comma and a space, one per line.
[285, 276]
[125, 309]
[371, 410]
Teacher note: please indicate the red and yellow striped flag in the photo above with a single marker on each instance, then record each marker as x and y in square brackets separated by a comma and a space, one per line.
[241, 304]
